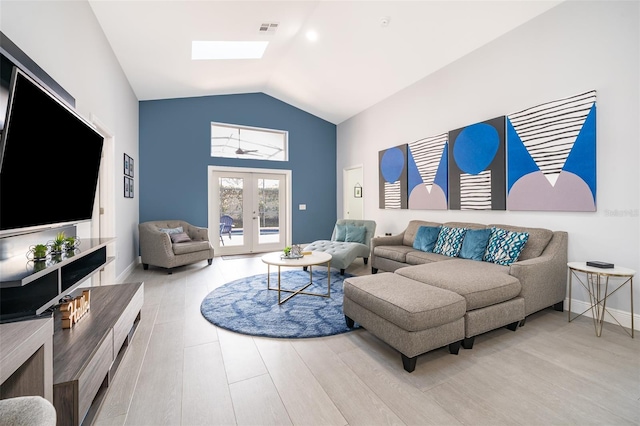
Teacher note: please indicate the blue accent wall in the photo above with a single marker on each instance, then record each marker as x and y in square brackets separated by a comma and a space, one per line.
[175, 152]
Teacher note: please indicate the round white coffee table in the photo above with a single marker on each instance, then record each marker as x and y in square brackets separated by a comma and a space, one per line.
[307, 261]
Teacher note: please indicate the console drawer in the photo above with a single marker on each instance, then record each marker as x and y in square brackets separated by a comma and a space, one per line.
[124, 324]
[94, 374]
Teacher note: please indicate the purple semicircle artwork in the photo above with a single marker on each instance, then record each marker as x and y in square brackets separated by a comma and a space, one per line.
[421, 199]
[534, 192]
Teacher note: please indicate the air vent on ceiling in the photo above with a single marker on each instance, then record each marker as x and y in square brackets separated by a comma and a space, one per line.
[268, 28]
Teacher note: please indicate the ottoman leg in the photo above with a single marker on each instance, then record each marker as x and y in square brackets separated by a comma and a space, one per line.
[374, 270]
[349, 321]
[409, 364]
[454, 348]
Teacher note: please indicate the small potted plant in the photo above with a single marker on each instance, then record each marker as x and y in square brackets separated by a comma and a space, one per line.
[70, 243]
[287, 251]
[58, 243]
[39, 252]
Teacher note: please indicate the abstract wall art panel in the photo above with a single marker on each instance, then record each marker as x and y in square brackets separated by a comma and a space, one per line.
[427, 174]
[552, 156]
[393, 178]
[477, 170]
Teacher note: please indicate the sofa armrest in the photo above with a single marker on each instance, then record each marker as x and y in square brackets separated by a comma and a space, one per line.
[544, 278]
[394, 240]
[155, 246]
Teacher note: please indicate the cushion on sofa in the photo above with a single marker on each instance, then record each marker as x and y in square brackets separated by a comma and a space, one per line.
[179, 237]
[170, 231]
[474, 244]
[426, 238]
[355, 234]
[480, 283]
[190, 247]
[538, 239]
[412, 229]
[504, 246]
[449, 241]
[407, 303]
[341, 232]
[395, 253]
[417, 257]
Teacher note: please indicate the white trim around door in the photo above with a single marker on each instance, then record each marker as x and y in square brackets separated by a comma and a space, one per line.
[214, 206]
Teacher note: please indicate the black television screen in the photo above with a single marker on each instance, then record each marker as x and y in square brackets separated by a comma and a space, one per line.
[49, 160]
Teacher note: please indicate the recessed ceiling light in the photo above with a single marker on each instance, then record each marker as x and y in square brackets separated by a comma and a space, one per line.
[312, 35]
[227, 49]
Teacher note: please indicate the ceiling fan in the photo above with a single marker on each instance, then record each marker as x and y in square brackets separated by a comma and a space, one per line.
[241, 151]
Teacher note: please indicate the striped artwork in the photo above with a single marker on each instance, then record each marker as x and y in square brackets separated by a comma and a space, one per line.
[428, 173]
[475, 191]
[551, 155]
[392, 188]
[477, 168]
[392, 195]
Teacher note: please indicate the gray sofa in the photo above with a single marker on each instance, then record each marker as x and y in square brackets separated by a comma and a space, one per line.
[158, 249]
[494, 295]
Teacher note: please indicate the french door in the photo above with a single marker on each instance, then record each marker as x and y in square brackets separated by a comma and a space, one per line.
[248, 211]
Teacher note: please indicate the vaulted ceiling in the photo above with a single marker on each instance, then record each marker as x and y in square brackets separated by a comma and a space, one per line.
[365, 51]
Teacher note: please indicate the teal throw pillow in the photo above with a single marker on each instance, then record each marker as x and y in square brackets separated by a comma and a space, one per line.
[475, 244]
[356, 234]
[341, 232]
[426, 238]
[170, 231]
[504, 246]
[449, 241]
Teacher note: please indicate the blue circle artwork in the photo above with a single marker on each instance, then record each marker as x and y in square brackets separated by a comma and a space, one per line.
[475, 148]
[392, 164]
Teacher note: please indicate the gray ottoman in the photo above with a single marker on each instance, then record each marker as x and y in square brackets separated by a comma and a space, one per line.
[410, 316]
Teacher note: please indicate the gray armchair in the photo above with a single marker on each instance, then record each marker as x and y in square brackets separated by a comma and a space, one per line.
[172, 243]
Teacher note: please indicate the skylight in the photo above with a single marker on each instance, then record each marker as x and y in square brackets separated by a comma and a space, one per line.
[203, 50]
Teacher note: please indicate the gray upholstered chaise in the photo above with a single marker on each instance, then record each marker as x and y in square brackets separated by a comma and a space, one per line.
[344, 253]
[156, 247]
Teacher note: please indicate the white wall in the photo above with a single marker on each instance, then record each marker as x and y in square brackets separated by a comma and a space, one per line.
[65, 39]
[575, 47]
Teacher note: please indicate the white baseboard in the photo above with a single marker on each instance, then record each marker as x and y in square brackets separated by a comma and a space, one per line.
[123, 276]
[623, 317]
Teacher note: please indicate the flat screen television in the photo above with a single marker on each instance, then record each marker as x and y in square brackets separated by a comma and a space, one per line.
[49, 161]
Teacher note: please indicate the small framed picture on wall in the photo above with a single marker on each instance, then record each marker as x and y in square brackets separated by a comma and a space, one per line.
[126, 187]
[127, 160]
[130, 166]
[357, 192]
[130, 188]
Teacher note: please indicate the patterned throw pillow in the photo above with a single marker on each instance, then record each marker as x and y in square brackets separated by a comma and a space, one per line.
[504, 246]
[449, 241]
[356, 234]
[426, 238]
[171, 230]
[341, 232]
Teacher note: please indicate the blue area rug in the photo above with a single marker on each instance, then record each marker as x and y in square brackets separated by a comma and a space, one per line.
[246, 306]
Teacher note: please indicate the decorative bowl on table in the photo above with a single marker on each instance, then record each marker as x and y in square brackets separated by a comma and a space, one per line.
[293, 252]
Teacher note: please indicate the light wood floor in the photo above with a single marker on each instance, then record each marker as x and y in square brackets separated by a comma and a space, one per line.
[182, 370]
